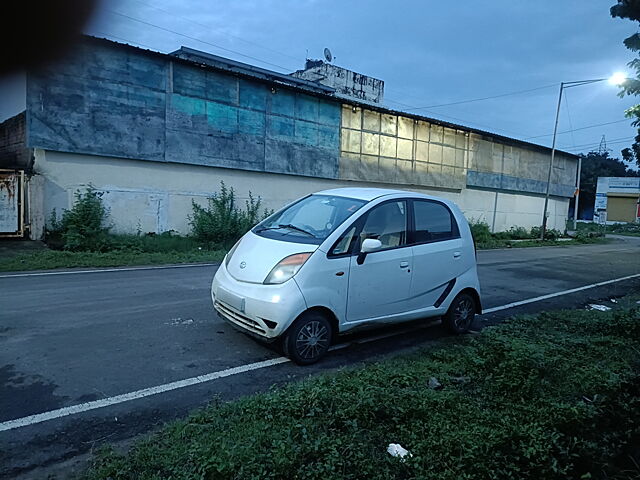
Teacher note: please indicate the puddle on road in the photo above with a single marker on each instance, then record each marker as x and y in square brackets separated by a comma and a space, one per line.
[22, 395]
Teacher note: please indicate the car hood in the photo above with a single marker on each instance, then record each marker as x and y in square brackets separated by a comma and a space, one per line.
[255, 256]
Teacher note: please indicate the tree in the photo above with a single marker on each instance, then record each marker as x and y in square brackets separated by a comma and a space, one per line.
[594, 165]
[630, 9]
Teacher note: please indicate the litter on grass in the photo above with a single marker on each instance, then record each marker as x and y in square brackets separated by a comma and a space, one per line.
[434, 384]
[601, 308]
[396, 450]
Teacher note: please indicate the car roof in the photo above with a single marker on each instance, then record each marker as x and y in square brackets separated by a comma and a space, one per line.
[368, 194]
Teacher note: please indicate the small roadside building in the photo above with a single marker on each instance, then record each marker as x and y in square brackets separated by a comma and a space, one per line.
[617, 200]
[155, 132]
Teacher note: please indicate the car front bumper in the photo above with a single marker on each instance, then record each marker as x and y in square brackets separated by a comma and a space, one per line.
[265, 311]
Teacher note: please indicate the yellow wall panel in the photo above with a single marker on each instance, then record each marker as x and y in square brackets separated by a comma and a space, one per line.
[388, 146]
[449, 137]
[422, 131]
[405, 149]
[437, 133]
[351, 117]
[405, 127]
[448, 155]
[389, 124]
[370, 143]
[422, 151]
[371, 121]
[350, 141]
[435, 154]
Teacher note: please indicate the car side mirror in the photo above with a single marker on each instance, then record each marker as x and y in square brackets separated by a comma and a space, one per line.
[370, 245]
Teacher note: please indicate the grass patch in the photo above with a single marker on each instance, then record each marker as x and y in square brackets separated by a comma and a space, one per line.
[551, 396]
[50, 259]
[123, 250]
[519, 237]
[629, 229]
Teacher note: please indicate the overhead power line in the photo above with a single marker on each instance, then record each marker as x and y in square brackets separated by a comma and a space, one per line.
[580, 128]
[198, 40]
[173, 15]
[457, 119]
[460, 102]
[126, 40]
[615, 141]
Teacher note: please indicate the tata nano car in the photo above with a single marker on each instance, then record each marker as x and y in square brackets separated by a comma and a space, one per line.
[349, 258]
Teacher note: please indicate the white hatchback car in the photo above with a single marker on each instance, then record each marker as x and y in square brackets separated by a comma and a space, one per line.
[348, 258]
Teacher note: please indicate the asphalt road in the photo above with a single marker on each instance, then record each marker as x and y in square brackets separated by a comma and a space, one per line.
[81, 337]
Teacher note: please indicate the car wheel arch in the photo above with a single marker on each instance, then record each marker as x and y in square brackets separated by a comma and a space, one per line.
[476, 297]
[327, 313]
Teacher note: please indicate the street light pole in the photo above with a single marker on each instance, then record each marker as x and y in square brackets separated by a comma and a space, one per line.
[577, 202]
[553, 155]
[616, 79]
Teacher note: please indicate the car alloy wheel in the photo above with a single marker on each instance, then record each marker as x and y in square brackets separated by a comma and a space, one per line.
[312, 339]
[308, 339]
[461, 313]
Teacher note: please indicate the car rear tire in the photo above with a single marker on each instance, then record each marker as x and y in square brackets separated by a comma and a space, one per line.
[461, 313]
[308, 339]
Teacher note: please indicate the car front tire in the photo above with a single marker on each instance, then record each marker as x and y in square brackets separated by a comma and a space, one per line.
[308, 339]
[461, 313]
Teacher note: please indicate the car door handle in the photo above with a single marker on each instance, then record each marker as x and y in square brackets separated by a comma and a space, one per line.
[457, 254]
[404, 264]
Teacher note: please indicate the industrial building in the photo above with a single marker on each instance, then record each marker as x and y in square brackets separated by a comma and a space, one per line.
[617, 200]
[156, 131]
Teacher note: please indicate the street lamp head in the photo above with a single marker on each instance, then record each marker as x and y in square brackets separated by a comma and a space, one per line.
[617, 79]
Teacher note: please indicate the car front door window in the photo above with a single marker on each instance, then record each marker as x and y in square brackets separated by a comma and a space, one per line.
[387, 223]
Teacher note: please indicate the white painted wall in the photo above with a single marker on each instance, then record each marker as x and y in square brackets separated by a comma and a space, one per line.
[155, 197]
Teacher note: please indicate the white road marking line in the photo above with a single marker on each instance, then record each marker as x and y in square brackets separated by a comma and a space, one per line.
[102, 270]
[145, 392]
[558, 294]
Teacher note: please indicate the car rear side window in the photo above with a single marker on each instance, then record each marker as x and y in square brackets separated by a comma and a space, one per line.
[433, 222]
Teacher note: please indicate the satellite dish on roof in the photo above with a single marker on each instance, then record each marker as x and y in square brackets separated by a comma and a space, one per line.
[327, 55]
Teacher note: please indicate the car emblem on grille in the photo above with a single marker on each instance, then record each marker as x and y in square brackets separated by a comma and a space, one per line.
[243, 264]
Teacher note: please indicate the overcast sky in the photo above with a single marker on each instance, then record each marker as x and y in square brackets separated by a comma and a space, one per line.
[428, 53]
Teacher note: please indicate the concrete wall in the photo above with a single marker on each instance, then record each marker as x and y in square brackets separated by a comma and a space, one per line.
[346, 82]
[155, 197]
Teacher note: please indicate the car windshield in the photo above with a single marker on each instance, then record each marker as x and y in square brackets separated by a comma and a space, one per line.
[310, 220]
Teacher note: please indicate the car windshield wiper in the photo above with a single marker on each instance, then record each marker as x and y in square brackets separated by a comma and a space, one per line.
[298, 229]
[287, 225]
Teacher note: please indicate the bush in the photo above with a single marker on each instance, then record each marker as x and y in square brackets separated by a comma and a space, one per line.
[518, 233]
[625, 228]
[222, 222]
[480, 231]
[83, 227]
[549, 234]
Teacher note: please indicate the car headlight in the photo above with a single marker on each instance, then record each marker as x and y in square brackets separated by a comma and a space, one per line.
[230, 253]
[286, 268]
